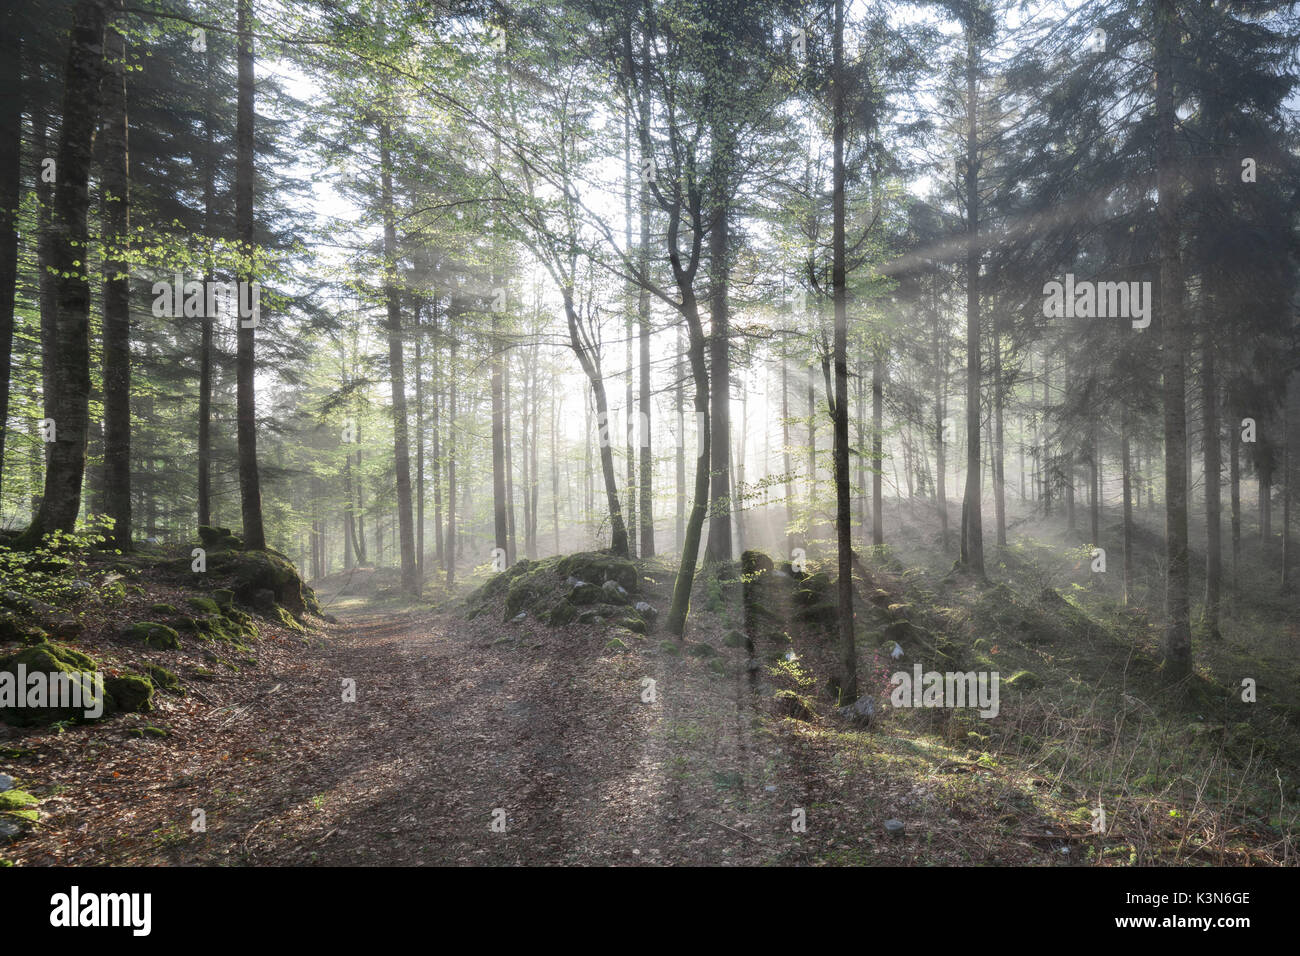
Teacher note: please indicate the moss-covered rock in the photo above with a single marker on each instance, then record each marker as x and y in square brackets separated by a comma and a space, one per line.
[60, 662]
[755, 562]
[527, 587]
[130, 694]
[633, 624]
[154, 635]
[288, 620]
[586, 593]
[598, 567]
[163, 609]
[163, 679]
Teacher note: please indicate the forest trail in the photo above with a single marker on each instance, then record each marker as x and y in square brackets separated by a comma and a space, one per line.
[452, 721]
[449, 730]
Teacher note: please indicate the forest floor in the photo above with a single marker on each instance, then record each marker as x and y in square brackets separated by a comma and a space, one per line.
[474, 739]
[451, 723]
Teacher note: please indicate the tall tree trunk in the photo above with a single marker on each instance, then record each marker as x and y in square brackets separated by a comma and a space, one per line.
[1234, 485]
[450, 553]
[1128, 512]
[507, 443]
[999, 477]
[1178, 637]
[115, 197]
[1213, 505]
[644, 486]
[206, 330]
[419, 446]
[11, 173]
[848, 676]
[250, 489]
[61, 501]
[719, 544]
[877, 445]
[676, 622]
[972, 529]
[397, 367]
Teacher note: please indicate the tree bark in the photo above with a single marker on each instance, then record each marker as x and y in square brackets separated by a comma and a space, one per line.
[115, 197]
[61, 501]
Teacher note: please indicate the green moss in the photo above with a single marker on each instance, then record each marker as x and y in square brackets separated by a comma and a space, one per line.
[149, 731]
[17, 800]
[163, 609]
[670, 647]
[633, 624]
[152, 634]
[598, 567]
[204, 604]
[1023, 680]
[614, 644]
[130, 694]
[53, 659]
[163, 679]
[288, 620]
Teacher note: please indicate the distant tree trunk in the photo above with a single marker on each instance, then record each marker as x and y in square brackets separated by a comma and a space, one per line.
[1213, 504]
[206, 329]
[1128, 512]
[644, 486]
[436, 462]
[1178, 637]
[999, 476]
[787, 463]
[61, 501]
[1234, 484]
[555, 474]
[972, 530]
[618, 530]
[719, 545]
[848, 676]
[419, 447]
[1094, 488]
[250, 490]
[507, 443]
[115, 197]
[450, 553]
[877, 445]
[11, 174]
[397, 367]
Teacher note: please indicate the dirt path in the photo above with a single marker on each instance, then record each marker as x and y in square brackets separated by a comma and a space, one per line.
[454, 728]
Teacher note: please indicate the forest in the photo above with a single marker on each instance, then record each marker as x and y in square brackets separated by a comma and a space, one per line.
[649, 432]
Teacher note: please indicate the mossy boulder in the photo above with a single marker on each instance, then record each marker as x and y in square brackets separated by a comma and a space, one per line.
[633, 624]
[755, 562]
[130, 694]
[13, 628]
[163, 609]
[813, 589]
[154, 635]
[598, 567]
[285, 619]
[526, 588]
[219, 539]
[254, 571]
[586, 593]
[52, 659]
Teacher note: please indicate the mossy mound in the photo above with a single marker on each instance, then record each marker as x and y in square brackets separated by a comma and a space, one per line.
[118, 694]
[755, 562]
[154, 635]
[597, 567]
[787, 703]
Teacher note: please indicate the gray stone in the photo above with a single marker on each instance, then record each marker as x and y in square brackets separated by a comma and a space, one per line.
[894, 827]
[572, 582]
[9, 830]
[519, 617]
[862, 711]
[615, 591]
[6, 782]
[646, 610]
